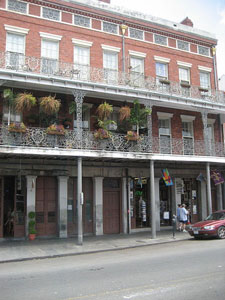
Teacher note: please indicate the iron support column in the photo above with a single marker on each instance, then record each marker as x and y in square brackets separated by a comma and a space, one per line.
[79, 98]
[148, 104]
[204, 113]
[79, 202]
[209, 197]
[152, 184]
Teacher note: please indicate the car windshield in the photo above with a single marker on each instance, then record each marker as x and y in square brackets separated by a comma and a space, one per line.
[216, 216]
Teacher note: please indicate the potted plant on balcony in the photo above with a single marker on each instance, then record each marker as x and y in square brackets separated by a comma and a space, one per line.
[132, 136]
[103, 111]
[55, 129]
[138, 118]
[102, 134]
[49, 105]
[17, 127]
[24, 101]
[31, 226]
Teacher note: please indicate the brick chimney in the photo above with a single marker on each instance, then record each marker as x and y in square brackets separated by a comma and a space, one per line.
[106, 1]
[187, 22]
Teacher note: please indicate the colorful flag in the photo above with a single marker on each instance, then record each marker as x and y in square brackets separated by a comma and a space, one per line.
[217, 177]
[200, 177]
[166, 177]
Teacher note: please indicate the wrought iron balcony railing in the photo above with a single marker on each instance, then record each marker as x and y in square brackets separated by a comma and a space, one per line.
[40, 138]
[53, 68]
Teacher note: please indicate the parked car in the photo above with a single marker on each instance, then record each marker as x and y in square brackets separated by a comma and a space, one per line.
[213, 225]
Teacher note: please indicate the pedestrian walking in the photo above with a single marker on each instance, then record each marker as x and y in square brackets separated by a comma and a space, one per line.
[183, 217]
[178, 217]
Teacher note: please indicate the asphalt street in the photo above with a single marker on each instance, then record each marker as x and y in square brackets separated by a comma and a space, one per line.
[183, 270]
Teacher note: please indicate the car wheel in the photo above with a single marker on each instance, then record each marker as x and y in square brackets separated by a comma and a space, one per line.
[221, 232]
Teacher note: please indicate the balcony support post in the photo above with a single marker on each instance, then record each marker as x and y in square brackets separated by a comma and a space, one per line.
[204, 113]
[148, 104]
[209, 197]
[79, 98]
[79, 202]
[153, 205]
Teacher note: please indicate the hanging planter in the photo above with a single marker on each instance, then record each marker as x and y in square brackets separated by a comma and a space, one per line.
[49, 105]
[104, 110]
[24, 101]
[124, 113]
[17, 127]
[56, 129]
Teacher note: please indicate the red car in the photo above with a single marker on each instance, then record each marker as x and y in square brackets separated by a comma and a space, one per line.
[213, 225]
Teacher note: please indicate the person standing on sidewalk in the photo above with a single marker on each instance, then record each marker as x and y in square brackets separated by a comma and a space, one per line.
[183, 217]
[178, 217]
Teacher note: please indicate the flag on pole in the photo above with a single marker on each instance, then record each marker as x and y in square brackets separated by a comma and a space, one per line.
[217, 177]
[166, 177]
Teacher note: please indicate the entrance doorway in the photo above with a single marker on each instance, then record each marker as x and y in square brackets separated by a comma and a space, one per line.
[8, 205]
[111, 206]
[46, 206]
[165, 204]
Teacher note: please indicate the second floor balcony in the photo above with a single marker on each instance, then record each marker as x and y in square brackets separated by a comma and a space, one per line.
[27, 65]
[41, 138]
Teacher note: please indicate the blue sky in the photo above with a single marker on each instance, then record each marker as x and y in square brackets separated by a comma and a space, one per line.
[208, 15]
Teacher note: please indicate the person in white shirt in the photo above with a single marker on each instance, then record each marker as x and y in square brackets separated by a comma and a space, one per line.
[183, 217]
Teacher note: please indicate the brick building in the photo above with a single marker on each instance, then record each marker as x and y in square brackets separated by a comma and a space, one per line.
[93, 175]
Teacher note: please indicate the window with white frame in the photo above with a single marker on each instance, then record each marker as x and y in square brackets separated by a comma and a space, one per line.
[187, 134]
[203, 50]
[210, 136]
[114, 117]
[17, 6]
[15, 50]
[49, 13]
[161, 70]
[82, 61]
[160, 39]
[136, 69]
[85, 117]
[136, 33]
[82, 21]
[110, 65]
[204, 80]
[165, 132]
[49, 56]
[110, 27]
[184, 75]
[182, 45]
[10, 115]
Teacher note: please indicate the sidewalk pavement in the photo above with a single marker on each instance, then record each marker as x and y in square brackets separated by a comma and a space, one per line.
[21, 250]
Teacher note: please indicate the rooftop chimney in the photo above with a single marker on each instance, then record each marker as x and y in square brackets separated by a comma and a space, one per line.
[187, 22]
[106, 1]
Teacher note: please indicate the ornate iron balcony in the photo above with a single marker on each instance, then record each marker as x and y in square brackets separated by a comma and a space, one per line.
[83, 73]
[40, 138]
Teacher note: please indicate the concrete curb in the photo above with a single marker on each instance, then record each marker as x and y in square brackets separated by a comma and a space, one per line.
[90, 251]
